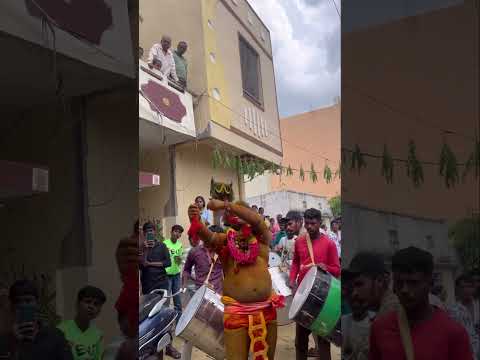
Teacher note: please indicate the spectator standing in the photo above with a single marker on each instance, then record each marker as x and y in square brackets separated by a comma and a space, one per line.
[84, 338]
[181, 65]
[417, 328]
[157, 260]
[161, 58]
[175, 249]
[336, 236]
[29, 338]
[206, 216]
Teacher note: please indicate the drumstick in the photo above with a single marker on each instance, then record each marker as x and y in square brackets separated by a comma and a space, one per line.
[215, 257]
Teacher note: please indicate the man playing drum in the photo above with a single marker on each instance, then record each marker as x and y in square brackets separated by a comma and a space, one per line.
[312, 249]
[250, 304]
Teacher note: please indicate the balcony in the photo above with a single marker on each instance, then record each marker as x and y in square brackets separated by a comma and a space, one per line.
[165, 110]
[63, 42]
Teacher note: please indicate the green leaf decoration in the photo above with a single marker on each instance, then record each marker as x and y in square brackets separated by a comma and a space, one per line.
[260, 167]
[302, 173]
[313, 174]
[217, 158]
[327, 174]
[448, 166]
[473, 162]
[387, 165]
[289, 171]
[357, 161]
[414, 167]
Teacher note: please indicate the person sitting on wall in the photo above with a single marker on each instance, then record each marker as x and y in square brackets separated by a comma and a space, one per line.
[247, 286]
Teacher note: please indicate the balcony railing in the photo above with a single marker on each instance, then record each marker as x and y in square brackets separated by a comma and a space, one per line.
[166, 104]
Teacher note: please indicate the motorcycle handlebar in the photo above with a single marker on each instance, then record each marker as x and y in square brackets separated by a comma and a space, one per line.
[165, 292]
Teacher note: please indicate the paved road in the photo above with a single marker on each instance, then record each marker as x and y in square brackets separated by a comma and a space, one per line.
[285, 346]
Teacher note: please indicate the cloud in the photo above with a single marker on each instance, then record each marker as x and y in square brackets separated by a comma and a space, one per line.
[306, 48]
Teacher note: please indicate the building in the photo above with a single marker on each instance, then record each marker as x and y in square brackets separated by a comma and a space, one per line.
[308, 138]
[282, 201]
[231, 89]
[386, 232]
[68, 166]
[407, 94]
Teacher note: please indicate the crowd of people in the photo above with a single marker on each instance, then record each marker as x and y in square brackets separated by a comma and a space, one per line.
[381, 322]
[162, 267]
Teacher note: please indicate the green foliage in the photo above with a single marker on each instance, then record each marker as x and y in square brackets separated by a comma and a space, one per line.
[327, 174]
[313, 174]
[335, 204]
[357, 159]
[414, 167]
[387, 165]
[302, 173]
[448, 166]
[465, 237]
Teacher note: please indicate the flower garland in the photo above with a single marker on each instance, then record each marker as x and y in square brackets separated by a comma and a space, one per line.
[239, 256]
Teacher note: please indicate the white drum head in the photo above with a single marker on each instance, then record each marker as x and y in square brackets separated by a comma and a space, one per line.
[274, 259]
[280, 281]
[189, 312]
[302, 292]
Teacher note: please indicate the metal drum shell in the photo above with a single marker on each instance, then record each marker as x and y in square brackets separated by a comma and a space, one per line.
[201, 323]
[313, 304]
[280, 280]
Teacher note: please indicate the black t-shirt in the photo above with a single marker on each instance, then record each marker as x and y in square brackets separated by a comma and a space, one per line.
[154, 277]
[50, 344]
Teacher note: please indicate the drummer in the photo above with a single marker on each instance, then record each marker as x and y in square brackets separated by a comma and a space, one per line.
[325, 256]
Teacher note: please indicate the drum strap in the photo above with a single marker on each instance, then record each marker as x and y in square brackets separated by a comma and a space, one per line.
[310, 248]
[405, 333]
[215, 257]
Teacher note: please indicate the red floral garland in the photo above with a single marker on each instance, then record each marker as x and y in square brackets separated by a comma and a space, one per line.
[241, 257]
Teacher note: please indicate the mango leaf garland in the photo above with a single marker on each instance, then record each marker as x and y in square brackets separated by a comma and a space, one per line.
[289, 171]
[473, 162]
[387, 165]
[327, 174]
[302, 173]
[448, 166]
[357, 161]
[313, 174]
[414, 167]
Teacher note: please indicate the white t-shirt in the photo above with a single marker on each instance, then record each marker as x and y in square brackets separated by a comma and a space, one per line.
[337, 239]
[288, 245]
[355, 337]
[167, 60]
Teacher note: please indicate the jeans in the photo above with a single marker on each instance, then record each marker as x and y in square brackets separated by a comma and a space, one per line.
[174, 283]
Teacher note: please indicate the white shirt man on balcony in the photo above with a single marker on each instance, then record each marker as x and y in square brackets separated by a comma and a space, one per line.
[161, 58]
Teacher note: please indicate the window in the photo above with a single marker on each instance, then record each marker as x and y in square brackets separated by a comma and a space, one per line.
[250, 63]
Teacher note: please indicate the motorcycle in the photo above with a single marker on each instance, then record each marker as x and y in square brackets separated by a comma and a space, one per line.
[156, 324]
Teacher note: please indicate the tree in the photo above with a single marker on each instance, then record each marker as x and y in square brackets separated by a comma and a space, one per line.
[465, 236]
[335, 204]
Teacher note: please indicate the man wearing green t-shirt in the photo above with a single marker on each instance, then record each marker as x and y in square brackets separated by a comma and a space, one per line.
[175, 248]
[84, 338]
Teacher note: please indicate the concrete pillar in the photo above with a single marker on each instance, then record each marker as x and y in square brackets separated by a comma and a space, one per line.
[241, 187]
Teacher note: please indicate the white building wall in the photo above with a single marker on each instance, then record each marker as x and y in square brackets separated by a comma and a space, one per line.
[370, 230]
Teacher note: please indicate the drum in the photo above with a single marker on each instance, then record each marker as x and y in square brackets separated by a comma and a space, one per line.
[317, 305]
[274, 259]
[201, 323]
[280, 281]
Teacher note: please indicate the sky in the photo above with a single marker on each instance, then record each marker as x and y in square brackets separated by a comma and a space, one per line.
[306, 51]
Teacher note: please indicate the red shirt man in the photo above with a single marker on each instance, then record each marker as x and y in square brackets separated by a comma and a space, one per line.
[434, 335]
[325, 256]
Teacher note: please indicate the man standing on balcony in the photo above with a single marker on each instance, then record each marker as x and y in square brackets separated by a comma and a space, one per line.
[161, 58]
[181, 64]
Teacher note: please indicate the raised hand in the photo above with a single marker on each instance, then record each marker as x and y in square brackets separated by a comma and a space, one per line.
[193, 212]
[215, 205]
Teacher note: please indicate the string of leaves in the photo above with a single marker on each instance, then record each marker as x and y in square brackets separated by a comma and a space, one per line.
[414, 167]
[448, 166]
[251, 167]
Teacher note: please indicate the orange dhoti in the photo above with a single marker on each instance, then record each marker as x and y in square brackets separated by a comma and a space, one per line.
[254, 317]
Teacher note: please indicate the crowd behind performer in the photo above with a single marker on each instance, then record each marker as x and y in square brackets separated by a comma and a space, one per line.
[417, 328]
[247, 286]
[336, 236]
[85, 339]
[173, 271]
[324, 256]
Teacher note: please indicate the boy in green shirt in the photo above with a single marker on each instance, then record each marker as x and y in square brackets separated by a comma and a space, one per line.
[175, 248]
[84, 338]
